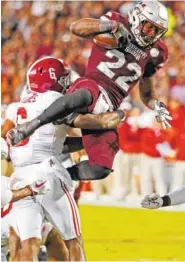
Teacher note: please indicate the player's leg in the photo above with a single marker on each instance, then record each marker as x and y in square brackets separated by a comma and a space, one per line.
[14, 245]
[5, 218]
[101, 148]
[56, 248]
[61, 210]
[76, 249]
[27, 221]
[30, 249]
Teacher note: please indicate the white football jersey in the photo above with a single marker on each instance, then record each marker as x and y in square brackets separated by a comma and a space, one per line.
[47, 140]
[6, 193]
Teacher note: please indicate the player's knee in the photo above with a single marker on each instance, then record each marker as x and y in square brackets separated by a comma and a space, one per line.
[30, 249]
[75, 244]
[26, 253]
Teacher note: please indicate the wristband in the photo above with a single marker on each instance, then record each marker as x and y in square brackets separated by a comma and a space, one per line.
[154, 103]
[108, 26]
[166, 201]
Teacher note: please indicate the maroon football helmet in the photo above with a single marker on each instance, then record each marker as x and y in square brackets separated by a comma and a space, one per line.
[48, 73]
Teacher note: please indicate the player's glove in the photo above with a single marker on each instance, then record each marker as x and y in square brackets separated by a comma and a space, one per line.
[19, 133]
[152, 201]
[40, 187]
[161, 113]
[122, 35]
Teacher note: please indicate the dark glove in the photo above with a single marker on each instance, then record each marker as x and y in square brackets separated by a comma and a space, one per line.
[122, 35]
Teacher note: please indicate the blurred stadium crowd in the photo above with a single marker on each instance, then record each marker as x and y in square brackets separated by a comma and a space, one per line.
[153, 159]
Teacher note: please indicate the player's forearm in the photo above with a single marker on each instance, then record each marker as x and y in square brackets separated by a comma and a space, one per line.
[62, 107]
[72, 144]
[147, 91]
[21, 193]
[88, 27]
[108, 120]
[177, 197]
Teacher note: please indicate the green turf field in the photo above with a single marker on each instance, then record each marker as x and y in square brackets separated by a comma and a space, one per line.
[130, 234]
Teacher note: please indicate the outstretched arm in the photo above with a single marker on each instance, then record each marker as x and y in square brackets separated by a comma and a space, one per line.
[173, 198]
[147, 91]
[148, 97]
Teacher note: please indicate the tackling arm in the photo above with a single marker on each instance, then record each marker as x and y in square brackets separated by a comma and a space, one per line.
[108, 120]
[10, 196]
[148, 97]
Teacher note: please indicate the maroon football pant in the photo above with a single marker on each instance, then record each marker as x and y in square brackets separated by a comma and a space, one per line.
[101, 146]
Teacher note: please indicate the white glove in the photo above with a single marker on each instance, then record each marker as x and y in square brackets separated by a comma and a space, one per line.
[4, 149]
[161, 113]
[152, 201]
[40, 187]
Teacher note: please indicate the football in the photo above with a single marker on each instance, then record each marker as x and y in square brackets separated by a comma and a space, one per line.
[106, 40]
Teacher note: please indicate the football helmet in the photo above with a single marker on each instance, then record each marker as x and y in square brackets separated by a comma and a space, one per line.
[148, 22]
[48, 73]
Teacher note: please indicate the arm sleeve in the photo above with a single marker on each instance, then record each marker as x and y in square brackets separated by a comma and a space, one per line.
[158, 57]
[178, 196]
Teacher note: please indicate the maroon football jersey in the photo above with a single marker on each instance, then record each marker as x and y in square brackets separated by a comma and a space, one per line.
[118, 70]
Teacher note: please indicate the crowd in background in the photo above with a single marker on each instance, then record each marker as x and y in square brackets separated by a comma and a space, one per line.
[32, 29]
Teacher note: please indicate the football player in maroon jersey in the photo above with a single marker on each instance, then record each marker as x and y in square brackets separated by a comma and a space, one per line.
[135, 54]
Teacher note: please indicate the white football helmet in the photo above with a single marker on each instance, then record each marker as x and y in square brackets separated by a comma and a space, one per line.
[149, 22]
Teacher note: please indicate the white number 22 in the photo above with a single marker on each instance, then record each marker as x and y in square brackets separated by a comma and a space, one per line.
[105, 67]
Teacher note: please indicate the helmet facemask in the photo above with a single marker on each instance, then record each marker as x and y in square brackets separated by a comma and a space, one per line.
[148, 22]
[64, 82]
[150, 32]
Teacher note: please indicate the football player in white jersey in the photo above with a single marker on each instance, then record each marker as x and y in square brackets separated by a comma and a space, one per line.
[39, 157]
[10, 196]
